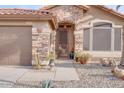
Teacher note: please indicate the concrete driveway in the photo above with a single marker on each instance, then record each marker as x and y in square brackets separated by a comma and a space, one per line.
[12, 73]
[24, 74]
[63, 71]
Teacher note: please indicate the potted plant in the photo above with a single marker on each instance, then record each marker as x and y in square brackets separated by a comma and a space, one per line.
[71, 55]
[77, 56]
[84, 58]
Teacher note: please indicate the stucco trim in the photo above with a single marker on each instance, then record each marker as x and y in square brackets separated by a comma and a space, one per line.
[27, 15]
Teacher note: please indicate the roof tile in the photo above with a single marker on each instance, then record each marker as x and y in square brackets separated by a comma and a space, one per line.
[15, 11]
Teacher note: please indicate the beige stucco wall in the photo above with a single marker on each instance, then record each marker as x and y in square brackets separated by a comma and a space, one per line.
[104, 54]
[95, 14]
[26, 23]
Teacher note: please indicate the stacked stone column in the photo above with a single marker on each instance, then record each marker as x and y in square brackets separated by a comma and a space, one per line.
[78, 41]
[40, 43]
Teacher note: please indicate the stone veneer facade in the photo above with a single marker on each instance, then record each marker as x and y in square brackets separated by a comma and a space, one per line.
[42, 40]
[84, 19]
[71, 14]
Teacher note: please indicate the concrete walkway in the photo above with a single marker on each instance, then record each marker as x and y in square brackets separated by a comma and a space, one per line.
[64, 71]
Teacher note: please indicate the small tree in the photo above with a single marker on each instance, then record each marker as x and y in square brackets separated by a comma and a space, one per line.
[117, 7]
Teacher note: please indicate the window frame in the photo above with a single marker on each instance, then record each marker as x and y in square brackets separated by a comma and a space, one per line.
[100, 30]
[121, 27]
[90, 26]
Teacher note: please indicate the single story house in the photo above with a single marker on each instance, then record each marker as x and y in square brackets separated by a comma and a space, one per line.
[59, 28]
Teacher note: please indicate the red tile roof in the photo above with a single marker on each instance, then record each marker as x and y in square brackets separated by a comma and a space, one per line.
[14, 11]
[27, 14]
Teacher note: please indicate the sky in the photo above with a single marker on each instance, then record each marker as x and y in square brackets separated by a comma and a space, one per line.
[21, 6]
[121, 9]
[39, 6]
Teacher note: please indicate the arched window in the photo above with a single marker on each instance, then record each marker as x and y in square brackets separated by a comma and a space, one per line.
[102, 24]
[102, 36]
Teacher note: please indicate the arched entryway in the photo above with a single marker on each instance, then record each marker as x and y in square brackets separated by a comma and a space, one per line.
[64, 39]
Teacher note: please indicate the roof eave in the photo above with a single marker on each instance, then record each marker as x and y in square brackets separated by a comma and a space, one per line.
[110, 11]
[50, 19]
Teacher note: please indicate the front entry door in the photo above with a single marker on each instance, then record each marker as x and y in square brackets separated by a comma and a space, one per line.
[64, 40]
[63, 43]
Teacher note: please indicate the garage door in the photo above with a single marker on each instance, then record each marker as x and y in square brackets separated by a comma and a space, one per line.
[15, 45]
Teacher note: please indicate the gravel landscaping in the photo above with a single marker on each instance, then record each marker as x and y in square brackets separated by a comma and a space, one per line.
[92, 75]
[95, 75]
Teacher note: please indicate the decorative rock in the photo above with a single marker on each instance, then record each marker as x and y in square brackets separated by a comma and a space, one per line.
[105, 62]
[96, 76]
[118, 72]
